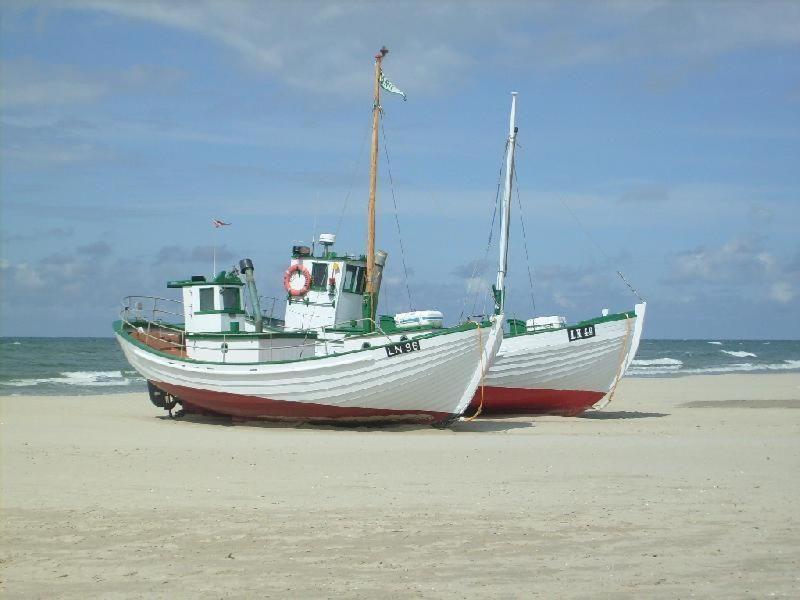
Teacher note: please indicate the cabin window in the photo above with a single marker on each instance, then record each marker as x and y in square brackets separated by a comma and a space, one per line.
[349, 284]
[361, 280]
[354, 279]
[230, 299]
[319, 275]
[207, 298]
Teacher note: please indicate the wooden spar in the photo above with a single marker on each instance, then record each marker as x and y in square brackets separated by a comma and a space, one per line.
[373, 176]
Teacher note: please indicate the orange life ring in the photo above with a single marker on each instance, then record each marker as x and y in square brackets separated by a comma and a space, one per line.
[288, 276]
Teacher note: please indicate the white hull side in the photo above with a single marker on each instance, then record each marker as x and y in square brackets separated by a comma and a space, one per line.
[549, 361]
[441, 377]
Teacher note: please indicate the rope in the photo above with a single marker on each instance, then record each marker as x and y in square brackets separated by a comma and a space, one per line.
[489, 242]
[483, 374]
[623, 354]
[525, 242]
[397, 218]
[591, 239]
[353, 178]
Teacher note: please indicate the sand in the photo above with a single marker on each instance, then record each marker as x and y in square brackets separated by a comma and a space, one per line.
[682, 487]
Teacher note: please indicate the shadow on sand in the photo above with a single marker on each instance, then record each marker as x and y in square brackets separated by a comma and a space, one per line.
[620, 414]
[457, 426]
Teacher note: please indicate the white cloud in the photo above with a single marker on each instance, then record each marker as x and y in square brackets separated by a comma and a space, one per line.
[29, 83]
[327, 46]
[782, 292]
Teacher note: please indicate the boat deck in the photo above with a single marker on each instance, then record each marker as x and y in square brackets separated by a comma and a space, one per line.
[161, 339]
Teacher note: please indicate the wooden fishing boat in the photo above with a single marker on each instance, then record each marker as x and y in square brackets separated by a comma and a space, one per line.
[330, 360]
[546, 366]
[563, 370]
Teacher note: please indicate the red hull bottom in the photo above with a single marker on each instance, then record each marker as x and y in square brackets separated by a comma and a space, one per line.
[254, 407]
[523, 401]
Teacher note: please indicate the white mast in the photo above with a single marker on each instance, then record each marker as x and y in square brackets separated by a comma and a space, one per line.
[505, 218]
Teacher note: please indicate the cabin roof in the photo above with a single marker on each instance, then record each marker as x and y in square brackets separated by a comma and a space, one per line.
[224, 278]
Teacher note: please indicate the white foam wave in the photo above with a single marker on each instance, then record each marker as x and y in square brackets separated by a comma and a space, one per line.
[716, 343]
[666, 362]
[786, 365]
[80, 378]
[739, 353]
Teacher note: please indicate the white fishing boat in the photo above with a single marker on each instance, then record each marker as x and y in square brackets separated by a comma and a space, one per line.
[545, 365]
[330, 360]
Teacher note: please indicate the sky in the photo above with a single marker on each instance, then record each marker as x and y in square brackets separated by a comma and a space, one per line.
[658, 139]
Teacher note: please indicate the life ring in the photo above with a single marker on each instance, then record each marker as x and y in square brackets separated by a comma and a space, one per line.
[287, 277]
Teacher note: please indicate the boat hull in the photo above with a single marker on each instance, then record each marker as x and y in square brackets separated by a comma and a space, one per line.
[546, 373]
[253, 407]
[430, 385]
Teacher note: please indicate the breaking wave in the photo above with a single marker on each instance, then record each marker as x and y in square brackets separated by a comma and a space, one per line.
[740, 353]
[665, 362]
[80, 378]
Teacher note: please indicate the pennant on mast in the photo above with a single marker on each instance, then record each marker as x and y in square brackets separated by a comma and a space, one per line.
[390, 87]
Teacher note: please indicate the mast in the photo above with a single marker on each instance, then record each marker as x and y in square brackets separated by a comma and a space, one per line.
[373, 176]
[505, 219]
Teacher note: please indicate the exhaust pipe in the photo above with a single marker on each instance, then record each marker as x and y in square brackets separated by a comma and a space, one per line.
[246, 267]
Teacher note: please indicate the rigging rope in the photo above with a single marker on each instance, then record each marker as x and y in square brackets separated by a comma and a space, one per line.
[480, 262]
[397, 218]
[525, 243]
[608, 258]
[353, 177]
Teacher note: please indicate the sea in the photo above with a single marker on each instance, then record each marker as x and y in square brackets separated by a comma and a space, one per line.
[77, 366]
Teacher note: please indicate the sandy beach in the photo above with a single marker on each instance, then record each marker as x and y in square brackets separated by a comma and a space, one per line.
[683, 487]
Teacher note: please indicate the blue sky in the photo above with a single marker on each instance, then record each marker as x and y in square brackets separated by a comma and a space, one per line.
[670, 129]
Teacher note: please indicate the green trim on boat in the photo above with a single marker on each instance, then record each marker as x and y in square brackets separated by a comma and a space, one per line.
[119, 329]
[242, 335]
[595, 321]
[222, 311]
[224, 278]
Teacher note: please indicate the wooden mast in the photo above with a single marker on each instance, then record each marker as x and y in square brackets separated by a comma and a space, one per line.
[373, 176]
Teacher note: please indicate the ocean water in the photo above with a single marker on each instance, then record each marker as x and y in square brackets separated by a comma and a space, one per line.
[75, 366]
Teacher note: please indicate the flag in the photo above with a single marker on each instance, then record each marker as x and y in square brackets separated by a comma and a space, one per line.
[217, 223]
[390, 87]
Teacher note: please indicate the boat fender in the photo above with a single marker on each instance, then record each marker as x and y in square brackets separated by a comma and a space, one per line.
[288, 276]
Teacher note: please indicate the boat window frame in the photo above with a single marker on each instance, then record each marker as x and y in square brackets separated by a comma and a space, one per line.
[225, 295]
[205, 294]
[319, 283]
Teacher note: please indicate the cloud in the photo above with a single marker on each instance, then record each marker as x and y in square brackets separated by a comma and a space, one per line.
[645, 194]
[198, 254]
[741, 268]
[738, 260]
[30, 83]
[314, 46]
[99, 249]
[34, 84]
[782, 291]
[54, 233]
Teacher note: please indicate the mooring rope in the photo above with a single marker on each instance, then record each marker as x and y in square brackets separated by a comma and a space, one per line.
[483, 374]
[623, 356]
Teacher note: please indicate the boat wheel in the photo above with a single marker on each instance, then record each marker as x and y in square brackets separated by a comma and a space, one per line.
[170, 402]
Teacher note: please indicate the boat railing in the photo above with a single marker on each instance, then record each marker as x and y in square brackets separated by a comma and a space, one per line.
[150, 319]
